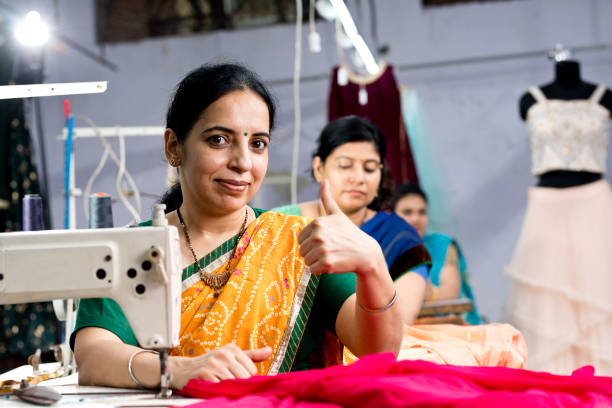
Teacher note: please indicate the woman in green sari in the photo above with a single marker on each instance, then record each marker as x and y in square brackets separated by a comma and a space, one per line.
[250, 277]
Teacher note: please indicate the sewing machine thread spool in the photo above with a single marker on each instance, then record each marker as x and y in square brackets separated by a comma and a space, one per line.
[100, 211]
[32, 217]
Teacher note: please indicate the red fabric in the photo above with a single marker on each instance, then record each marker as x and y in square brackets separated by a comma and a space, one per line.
[384, 109]
[379, 380]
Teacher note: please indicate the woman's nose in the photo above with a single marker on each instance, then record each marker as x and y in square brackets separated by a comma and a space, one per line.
[357, 174]
[241, 159]
[413, 220]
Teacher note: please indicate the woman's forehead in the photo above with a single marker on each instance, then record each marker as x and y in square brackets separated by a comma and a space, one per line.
[239, 108]
[363, 150]
[412, 200]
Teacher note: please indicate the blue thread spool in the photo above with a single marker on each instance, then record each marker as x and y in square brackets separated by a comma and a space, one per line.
[32, 216]
[100, 211]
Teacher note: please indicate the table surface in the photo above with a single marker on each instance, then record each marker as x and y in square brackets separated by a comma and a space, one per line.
[74, 395]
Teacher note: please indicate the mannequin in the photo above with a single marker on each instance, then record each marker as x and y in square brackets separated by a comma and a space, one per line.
[560, 271]
[567, 85]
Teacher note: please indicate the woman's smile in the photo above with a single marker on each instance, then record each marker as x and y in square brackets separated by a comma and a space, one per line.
[233, 185]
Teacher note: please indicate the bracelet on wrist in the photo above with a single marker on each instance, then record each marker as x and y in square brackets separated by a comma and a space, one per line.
[131, 371]
[380, 309]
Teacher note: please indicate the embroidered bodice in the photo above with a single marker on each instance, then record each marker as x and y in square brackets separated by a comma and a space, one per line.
[568, 135]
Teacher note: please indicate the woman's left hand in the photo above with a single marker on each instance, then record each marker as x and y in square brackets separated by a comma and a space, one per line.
[333, 244]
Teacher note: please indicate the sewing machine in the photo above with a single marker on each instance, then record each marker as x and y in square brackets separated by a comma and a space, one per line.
[139, 268]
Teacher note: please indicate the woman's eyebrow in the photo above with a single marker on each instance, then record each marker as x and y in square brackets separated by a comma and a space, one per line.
[265, 134]
[353, 158]
[232, 132]
[221, 128]
[363, 161]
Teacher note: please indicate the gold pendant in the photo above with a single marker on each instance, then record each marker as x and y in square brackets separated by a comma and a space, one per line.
[217, 292]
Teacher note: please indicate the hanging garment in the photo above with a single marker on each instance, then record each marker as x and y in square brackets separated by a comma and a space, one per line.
[568, 135]
[428, 167]
[380, 381]
[23, 327]
[560, 271]
[561, 277]
[377, 99]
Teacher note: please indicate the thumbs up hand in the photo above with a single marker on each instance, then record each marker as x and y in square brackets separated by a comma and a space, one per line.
[327, 200]
[333, 244]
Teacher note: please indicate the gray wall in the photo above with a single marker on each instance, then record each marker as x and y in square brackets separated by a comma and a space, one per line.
[470, 111]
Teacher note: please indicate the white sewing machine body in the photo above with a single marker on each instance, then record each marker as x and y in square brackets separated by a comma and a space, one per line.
[139, 268]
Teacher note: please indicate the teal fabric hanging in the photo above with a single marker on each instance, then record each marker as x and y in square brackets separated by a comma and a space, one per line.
[428, 168]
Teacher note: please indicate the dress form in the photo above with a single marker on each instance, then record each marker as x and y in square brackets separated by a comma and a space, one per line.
[567, 85]
[561, 262]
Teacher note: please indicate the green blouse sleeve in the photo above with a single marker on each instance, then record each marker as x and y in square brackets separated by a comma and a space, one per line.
[291, 209]
[104, 313]
[331, 294]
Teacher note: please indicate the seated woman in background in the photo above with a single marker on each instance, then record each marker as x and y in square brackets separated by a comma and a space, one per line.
[349, 156]
[250, 277]
[448, 278]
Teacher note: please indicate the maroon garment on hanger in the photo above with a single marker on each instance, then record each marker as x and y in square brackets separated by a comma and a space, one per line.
[384, 109]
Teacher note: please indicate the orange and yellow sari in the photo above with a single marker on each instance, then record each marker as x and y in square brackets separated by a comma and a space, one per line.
[266, 301]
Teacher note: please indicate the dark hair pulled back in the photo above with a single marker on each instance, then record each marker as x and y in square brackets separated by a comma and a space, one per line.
[198, 90]
[406, 190]
[350, 129]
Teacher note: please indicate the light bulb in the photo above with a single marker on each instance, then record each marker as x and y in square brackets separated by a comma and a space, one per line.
[32, 31]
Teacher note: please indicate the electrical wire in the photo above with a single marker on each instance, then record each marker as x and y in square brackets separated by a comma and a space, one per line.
[297, 117]
[91, 180]
[373, 23]
[44, 178]
[120, 173]
[311, 16]
[123, 172]
[338, 34]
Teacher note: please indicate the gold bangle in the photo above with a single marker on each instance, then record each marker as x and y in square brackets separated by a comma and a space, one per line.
[131, 372]
[380, 309]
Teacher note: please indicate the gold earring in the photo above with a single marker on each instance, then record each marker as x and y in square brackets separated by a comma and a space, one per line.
[175, 163]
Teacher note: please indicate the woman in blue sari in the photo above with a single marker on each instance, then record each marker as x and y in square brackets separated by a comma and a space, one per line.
[350, 155]
[448, 277]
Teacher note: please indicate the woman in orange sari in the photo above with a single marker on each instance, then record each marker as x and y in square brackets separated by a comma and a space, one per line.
[250, 278]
